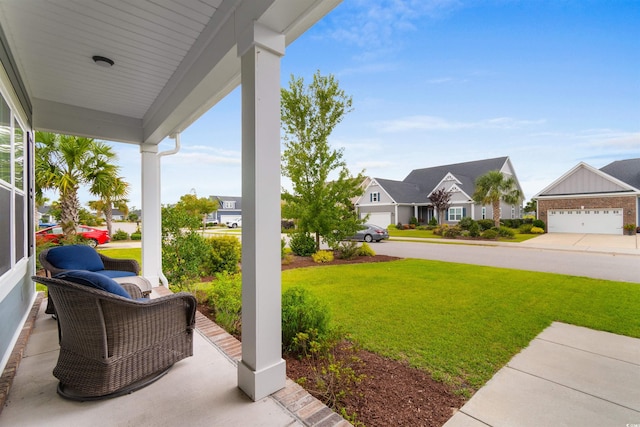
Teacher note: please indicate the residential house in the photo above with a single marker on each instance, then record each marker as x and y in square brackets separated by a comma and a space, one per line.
[229, 208]
[139, 73]
[590, 200]
[390, 202]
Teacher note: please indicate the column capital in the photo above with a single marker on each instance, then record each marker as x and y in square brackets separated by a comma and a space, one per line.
[148, 148]
[257, 34]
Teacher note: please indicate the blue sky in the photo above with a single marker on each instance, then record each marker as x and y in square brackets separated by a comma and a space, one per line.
[547, 83]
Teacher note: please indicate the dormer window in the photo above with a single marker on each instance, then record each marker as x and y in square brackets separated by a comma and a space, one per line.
[229, 204]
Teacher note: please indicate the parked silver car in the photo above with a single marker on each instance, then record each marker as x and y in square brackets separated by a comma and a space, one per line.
[370, 233]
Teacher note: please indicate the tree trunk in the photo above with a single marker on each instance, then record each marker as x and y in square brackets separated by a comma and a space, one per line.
[108, 216]
[496, 213]
[69, 207]
[317, 241]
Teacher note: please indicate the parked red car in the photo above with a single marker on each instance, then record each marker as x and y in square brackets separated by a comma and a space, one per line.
[94, 236]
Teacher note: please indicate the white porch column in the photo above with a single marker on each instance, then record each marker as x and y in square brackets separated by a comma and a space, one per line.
[151, 214]
[262, 369]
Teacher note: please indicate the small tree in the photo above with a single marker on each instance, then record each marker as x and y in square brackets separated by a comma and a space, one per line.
[492, 188]
[441, 199]
[200, 207]
[320, 205]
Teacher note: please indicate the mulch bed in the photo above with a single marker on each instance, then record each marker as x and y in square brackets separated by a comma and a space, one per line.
[391, 392]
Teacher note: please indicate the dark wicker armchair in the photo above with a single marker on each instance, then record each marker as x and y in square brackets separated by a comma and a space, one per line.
[113, 264]
[104, 351]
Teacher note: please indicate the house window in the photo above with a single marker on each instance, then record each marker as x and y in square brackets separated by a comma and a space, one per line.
[513, 211]
[455, 214]
[484, 213]
[374, 197]
[229, 204]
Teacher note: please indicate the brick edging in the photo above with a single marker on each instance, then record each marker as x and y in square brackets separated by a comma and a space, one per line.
[293, 398]
[6, 380]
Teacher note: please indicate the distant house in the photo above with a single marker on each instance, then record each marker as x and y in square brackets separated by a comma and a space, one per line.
[389, 202]
[590, 200]
[229, 208]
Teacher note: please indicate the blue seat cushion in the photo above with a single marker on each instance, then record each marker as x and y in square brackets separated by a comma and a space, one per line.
[75, 257]
[115, 273]
[94, 280]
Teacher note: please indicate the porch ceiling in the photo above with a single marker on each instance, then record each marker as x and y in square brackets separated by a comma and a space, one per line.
[174, 59]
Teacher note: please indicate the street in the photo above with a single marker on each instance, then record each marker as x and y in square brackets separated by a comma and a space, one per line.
[624, 268]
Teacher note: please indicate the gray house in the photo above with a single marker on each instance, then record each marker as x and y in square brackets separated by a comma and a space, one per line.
[389, 202]
[594, 201]
[229, 208]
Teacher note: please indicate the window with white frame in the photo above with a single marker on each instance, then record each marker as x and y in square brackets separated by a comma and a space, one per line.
[484, 212]
[229, 204]
[374, 197]
[455, 214]
[513, 211]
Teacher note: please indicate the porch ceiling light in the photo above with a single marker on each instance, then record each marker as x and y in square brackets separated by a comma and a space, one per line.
[103, 61]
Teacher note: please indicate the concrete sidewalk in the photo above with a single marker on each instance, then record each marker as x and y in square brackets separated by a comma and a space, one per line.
[567, 376]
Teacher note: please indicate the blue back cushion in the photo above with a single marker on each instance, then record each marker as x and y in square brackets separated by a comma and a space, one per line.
[116, 273]
[94, 280]
[75, 257]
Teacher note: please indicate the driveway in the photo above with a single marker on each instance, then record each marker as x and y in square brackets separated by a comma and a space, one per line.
[587, 242]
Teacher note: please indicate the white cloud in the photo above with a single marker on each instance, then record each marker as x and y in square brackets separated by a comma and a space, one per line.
[433, 123]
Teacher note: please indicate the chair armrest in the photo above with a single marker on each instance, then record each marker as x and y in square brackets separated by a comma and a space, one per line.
[132, 290]
[120, 264]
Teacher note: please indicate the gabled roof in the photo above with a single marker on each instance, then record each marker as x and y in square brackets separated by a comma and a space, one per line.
[467, 173]
[402, 192]
[584, 179]
[627, 171]
[222, 199]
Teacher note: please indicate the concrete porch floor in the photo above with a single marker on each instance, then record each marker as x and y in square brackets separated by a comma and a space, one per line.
[197, 391]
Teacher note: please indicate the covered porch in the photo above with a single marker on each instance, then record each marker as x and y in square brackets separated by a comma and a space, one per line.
[138, 73]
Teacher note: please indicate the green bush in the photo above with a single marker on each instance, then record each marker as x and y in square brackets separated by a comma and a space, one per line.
[120, 235]
[413, 221]
[465, 223]
[399, 226]
[348, 250]
[302, 244]
[226, 301]
[302, 312]
[283, 245]
[474, 230]
[365, 250]
[537, 230]
[183, 259]
[224, 255]
[485, 224]
[489, 234]
[433, 221]
[322, 257]
[512, 222]
[451, 232]
[506, 232]
[525, 228]
[136, 236]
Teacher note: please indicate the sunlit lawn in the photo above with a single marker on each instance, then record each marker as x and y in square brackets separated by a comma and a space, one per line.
[461, 322]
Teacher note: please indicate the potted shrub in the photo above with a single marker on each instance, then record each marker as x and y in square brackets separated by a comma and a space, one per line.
[629, 229]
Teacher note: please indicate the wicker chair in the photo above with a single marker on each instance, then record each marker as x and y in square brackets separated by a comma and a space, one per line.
[114, 268]
[104, 352]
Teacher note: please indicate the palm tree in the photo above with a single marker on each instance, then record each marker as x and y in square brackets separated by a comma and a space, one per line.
[64, 163]
[112, 191]
[492, 188]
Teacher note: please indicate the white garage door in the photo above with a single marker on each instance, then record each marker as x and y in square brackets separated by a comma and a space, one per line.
[591, 221]
[381, 219]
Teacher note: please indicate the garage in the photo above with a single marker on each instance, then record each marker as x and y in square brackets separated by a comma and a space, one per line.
[593, 221]
[381, 219]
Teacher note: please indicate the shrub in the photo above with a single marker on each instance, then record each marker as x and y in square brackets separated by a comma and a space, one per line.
[322, 257]
[489, 234]
[525, 228]
[365, 250]
[283, 245]
[348, 250]
[506, 232]
[451, 232]
[302, 312]
[287, 225]
[512, 222]
[423, 227]
[537, 230]
[485, 224]
[440, 230]
[474, 229]
[399, 226]
[120, 235]
[224, 255]
[226, 299]
[413, 221]
[539, 223]
[465, 223]
[136, 236]
[433, 221]
[302, 244]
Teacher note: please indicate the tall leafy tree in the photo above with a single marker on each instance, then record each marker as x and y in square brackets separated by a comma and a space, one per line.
[441, 199]
[323, 187]
[64, 163]
[494, 187]
[200, 207]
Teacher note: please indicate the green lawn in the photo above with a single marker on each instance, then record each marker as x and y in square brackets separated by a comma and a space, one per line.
[123, 253]
[461, 322]
[428, 234]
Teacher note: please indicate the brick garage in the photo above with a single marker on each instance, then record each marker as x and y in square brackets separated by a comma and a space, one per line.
[628, 204]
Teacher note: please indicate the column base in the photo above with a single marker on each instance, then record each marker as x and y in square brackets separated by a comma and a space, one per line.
[260, 384]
